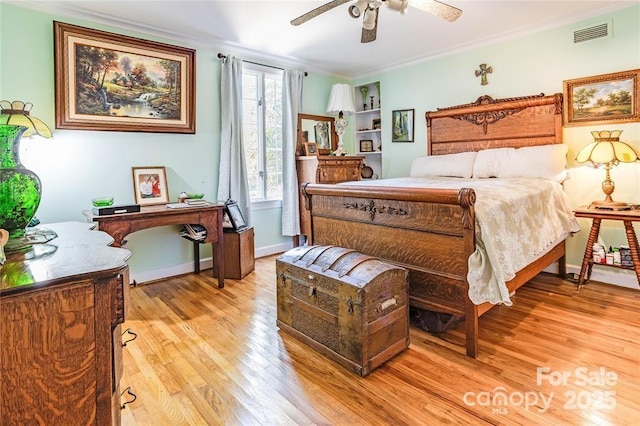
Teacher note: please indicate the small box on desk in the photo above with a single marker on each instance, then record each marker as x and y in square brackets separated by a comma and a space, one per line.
[105, 211]
[239, 255]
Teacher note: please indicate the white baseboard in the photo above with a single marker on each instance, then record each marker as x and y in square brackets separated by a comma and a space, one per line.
[603, 274]
[274, 249]
[206, 263]
[621, 278]
[172, 271]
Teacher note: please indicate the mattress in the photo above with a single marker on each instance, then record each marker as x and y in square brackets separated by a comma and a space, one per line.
[517, 221]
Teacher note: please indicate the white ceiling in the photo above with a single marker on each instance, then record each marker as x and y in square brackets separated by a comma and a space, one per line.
[330, 42]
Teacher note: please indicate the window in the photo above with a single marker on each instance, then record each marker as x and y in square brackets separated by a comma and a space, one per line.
[262, 130]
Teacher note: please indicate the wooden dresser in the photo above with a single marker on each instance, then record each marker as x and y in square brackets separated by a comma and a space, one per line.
[61, 308]
[325, 169]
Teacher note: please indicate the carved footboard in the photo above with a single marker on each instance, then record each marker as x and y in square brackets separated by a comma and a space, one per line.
[428, 231]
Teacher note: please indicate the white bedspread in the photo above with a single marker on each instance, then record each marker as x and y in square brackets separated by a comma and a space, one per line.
[517, 221]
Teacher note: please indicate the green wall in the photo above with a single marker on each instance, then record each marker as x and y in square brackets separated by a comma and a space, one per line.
[522, 66]
[78, 165]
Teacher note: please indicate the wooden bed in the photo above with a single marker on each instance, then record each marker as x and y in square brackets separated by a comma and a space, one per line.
[431, 231]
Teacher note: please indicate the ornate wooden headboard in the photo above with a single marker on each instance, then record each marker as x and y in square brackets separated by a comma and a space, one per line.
[495, 123]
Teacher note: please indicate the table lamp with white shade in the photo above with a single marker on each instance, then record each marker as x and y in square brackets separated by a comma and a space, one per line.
[341, 103]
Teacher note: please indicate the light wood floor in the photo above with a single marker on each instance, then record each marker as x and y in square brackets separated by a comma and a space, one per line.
[210, 356]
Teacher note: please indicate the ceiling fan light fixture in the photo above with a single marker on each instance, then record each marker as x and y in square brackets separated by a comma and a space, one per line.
[434, 7]
[369, 21]
[368, 10]
[397, 5]
[356, 10]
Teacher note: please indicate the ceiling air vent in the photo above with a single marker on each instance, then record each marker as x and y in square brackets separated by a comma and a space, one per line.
[591, 33]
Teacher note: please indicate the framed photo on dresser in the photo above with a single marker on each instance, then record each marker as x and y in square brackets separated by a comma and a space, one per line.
[310, 148]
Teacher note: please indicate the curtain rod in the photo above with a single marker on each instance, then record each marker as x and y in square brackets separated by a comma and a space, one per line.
[223, 56]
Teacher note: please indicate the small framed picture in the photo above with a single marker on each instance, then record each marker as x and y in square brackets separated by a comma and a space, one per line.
[402, 123]
[376, 124]
[150, 185]
[235, 216]
[310, 148]
[366, 145]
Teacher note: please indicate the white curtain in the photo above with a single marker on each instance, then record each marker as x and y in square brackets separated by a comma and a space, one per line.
[232, 178]
[291, 105]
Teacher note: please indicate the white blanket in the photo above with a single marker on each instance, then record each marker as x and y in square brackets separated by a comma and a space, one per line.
[517, 221]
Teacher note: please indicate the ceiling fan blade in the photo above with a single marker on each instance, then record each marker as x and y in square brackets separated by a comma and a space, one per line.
[317, 11]
[444, 11]
[369, 35]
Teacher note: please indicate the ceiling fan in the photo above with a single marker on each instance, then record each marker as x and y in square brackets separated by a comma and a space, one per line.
[368, 9]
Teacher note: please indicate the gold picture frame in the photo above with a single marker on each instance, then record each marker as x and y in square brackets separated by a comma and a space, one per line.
[310, 148]
[150, 185]
[107, 81]
[602, 99]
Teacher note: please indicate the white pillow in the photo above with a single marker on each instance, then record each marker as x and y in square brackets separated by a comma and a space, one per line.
[490, 162]
[453, 165]
[544, 161]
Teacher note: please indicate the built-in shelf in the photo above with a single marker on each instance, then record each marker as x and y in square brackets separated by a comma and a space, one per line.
[366, 118]
[368, 111]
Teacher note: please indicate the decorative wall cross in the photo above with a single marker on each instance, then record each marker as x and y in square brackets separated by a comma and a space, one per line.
[482, 73]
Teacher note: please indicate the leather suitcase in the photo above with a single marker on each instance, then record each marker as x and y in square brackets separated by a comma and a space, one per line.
[350, 307]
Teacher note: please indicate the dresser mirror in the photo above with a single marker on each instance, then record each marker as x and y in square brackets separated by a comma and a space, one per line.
[318, 129]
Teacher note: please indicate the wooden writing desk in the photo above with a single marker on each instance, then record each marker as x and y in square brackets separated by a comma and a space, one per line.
[210, 217]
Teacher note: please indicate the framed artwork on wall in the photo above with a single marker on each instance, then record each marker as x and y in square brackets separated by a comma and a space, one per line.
[402, 125]
[150, 185]
[106, 81]
[601, 99]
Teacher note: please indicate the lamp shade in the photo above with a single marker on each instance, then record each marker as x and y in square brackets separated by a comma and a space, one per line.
[341, 100]
[17, 113]
[607, 149]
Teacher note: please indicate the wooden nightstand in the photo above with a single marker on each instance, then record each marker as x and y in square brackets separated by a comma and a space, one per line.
[597, 215]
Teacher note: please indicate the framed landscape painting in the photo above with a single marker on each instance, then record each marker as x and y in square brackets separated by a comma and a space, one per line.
[607, 98]
[106, 81]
